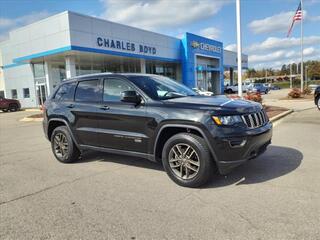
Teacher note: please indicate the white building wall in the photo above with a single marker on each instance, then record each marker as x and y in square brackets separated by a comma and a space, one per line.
[18, 78]
[85, 30]
[42, 36]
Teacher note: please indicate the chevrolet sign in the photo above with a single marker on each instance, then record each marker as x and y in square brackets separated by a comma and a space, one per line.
[206, 47]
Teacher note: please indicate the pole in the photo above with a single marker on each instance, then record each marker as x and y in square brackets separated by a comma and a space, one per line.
[301, 39]
[239, 51]
[266, 75]
[290, 75]
[306, 76]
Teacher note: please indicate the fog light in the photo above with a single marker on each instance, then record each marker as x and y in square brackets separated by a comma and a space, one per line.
[237, 143]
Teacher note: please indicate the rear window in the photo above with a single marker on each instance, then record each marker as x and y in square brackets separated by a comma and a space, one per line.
[65, 92]
[88, 91]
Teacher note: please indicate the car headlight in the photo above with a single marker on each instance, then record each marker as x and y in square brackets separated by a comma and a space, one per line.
[227, 120]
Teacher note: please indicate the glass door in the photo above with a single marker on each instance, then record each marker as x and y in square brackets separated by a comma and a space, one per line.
[42, 93]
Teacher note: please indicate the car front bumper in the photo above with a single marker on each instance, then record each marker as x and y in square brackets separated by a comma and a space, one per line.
[235, 148]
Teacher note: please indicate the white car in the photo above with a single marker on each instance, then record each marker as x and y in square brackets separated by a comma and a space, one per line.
[234, 88]
[202, 92]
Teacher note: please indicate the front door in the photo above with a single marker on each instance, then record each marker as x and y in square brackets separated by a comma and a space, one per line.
[42, 93]
[121, 125]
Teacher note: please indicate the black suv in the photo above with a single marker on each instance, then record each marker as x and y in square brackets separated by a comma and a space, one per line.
[154, 117]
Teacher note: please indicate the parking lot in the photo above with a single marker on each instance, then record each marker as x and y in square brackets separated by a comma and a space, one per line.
[103, 196]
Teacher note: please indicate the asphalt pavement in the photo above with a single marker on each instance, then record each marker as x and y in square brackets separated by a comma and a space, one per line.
[103, 196]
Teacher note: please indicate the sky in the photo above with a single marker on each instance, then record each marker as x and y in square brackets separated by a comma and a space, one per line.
[264, 23]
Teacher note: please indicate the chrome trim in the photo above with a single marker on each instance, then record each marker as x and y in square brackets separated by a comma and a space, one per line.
[255, 120]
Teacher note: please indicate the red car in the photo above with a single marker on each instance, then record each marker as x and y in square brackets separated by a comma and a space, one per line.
[11, 105]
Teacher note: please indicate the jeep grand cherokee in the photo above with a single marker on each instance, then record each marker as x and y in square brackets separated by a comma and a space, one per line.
[158, 119]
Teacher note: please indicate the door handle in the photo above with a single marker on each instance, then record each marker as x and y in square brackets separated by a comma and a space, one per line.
[70, 106]
[104, 108]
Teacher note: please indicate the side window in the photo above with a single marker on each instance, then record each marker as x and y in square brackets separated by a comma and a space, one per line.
[113, 87]
[65, 92]
[88, 91]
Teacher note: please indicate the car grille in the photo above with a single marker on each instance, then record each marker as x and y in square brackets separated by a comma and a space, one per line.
[255, 120]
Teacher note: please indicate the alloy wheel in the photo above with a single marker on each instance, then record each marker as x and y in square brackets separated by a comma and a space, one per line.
[184, 161]
[60, 145]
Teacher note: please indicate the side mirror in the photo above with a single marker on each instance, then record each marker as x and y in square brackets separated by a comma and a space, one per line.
[130, 97]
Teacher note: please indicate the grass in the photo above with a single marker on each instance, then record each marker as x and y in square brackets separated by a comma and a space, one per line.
[295, 84]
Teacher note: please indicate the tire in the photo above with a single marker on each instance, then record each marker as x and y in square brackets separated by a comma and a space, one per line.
[266, 92]
[13, 107]
[229, 91]
[183, 175]
[5, 110]
[61, 139]
[318, 103]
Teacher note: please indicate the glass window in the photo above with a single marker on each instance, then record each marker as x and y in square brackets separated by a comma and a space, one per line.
[161, 88]
[26, 93]
[112, 89]
[38, 69]
[14, 93]
[1, 94]
[65, 92]
[88, 91]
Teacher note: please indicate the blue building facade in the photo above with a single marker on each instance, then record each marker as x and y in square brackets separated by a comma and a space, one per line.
[202, 63]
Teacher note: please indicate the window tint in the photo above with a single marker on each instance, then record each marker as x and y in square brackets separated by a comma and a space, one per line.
[112, 89]
[88, 91]
[26, 93]
[14, 93]
[65, 92]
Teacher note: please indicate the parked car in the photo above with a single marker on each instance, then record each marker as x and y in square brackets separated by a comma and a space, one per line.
[234, 88]
[317, 97]
[11, 105]
[202, 92]
[258, 88]
[275, 87]
[130, 114]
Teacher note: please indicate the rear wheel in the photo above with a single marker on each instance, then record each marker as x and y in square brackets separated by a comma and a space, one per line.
[13, 107]
[63, 146]
[4, 110]
[187, 160]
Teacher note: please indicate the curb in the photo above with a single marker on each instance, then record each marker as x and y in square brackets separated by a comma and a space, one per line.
[281, 115]
[28, 119]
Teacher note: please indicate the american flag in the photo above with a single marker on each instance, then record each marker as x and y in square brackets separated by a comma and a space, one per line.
[297, 17]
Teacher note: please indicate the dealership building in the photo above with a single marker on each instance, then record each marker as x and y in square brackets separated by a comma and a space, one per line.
[39, 56]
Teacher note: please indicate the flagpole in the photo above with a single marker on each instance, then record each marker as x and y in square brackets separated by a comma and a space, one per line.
[301, 41]
[239, 51]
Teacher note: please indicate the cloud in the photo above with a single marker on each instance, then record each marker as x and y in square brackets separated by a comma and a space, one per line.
[231, 47]
[8, 24]
[159, 14]
[284, 56]
[277, 23]
[210, 32]
[273, 43]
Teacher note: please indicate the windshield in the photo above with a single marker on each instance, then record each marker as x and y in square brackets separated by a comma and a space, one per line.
[161, 88]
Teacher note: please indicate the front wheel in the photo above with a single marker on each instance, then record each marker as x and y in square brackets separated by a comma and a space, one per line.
[63, 146]
[318, 103]
[187, 160]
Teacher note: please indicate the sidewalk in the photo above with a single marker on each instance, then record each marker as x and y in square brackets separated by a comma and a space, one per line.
[273, 99]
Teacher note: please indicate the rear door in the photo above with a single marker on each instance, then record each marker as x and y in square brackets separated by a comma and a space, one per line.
[87, 100]
[122, 125]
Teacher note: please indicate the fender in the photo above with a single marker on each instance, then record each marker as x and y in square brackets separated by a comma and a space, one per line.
[69, 129]
[185, 126]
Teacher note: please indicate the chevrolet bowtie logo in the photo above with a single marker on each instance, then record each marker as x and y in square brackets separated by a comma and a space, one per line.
[195, 44]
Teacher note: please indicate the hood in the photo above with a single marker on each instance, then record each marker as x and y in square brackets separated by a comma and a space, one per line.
[217, 103]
